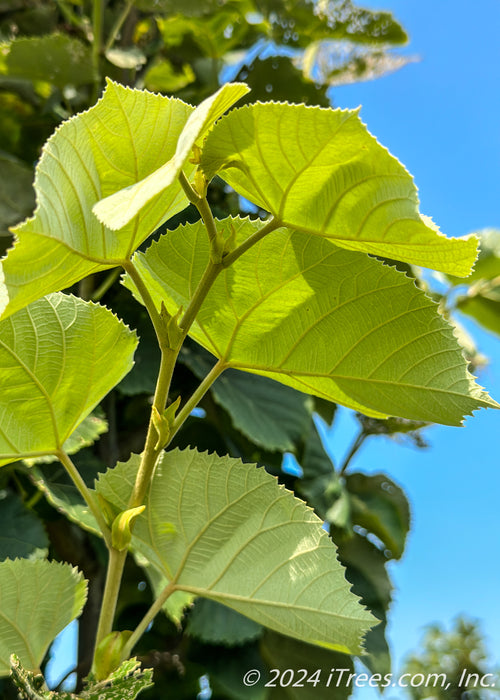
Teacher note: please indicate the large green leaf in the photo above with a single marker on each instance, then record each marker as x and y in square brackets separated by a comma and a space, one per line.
[226, 530]
[125, 137]
[321, 319]
[21, 533]
[321, 171]
[117, 210]
[58, 358]
[38, 599]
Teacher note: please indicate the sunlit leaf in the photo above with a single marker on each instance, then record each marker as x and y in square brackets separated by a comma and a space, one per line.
[85, 435]
[125, 137]
[58, 358]
[225, 530]
[39, 598]
[320, 171]
[292, 308]
[117, 210]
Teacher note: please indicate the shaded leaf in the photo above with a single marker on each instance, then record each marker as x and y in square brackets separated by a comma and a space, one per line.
[484, 307]
[117, 210]
[323, 668]
[56, 58]
[39, 598]
[17, 198]
[53, 481]
[55, 367]
[21, 533]
[320, 319]
[225, 530]
[86, 159]
[272, 415]
[214, 623]
[321, 171]
[381, 507]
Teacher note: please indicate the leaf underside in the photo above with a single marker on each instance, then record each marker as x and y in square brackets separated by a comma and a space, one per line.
[38, 599]
[225, 530]
[320, 171]
[58, 358]
[122, 139]
[324, 320]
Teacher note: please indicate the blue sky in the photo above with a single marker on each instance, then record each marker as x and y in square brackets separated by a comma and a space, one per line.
[440, 118]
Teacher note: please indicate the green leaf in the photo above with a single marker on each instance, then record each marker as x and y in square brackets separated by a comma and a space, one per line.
[381, 507]
[58, 358]
[117, 210]
[243, 540]
[488, 262]
[53, 481]
[321, 171]
[88, 157]
[57, 59]
[366, 570]
[123, 684]
[21, 532]
[163, 77]
[319, 318]
[85, 435]
[213, 623]
[16, 192]
[270, 414]
[484, 307]
[39, 598]
[284, 653]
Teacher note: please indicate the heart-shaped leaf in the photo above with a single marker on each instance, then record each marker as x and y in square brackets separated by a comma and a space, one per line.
[124, 138]
[218, 528]
[322, 319]
[39, 598]
[320, 171]
[58, 358]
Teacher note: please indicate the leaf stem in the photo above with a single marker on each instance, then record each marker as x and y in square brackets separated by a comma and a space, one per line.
[200, 202]
[118, 25]
[97, 28]
[196, 396]
[86, 493]
[146, 297]
[354, 448]
[147, 619]
[114, 574]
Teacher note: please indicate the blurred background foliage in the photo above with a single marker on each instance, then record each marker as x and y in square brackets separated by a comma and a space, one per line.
[54, 57]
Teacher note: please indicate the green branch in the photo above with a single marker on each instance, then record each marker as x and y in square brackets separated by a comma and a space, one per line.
[146, 620]
[86, 494]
